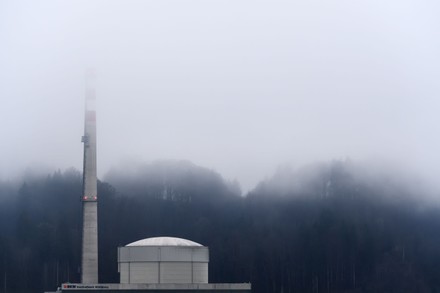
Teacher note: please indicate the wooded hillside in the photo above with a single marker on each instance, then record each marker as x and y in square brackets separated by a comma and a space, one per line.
[327, 228]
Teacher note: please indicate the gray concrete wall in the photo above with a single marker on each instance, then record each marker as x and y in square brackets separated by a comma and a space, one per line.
[163, 264]
[153, 288]
[89, 263]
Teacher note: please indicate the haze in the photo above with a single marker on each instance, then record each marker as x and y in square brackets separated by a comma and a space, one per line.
[237, 86]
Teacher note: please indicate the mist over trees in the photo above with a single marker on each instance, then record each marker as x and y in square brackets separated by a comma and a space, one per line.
[171, 180]
[330, 227]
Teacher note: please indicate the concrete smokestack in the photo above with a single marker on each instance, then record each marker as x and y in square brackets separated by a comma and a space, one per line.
[89, 257]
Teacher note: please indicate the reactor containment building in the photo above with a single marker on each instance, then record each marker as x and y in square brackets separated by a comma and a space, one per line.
[163, 260]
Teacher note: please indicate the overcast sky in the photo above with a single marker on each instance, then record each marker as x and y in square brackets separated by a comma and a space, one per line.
[239, 86]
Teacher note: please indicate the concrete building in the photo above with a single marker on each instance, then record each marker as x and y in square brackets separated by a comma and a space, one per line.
[161, 265]
[163, 260]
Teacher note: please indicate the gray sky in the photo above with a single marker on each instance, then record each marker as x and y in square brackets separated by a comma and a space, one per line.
[239, 86]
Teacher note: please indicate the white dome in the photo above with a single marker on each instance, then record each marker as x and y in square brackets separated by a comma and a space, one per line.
[164, 241]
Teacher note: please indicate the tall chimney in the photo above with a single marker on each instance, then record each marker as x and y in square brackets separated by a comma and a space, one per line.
[89, 257]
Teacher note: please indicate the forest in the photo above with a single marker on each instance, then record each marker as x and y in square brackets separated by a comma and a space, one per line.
[328, 227]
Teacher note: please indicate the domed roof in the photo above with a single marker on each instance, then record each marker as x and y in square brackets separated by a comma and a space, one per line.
[164, 241]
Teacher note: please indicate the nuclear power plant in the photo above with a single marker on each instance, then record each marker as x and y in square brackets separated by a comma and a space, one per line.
[151, 265]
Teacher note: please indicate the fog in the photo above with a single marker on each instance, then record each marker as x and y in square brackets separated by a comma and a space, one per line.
[235, 86]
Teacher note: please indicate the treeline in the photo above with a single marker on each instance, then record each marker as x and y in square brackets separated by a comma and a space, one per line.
[325, 228]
